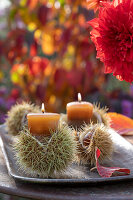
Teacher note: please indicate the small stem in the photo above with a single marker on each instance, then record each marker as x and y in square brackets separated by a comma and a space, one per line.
[93, 169]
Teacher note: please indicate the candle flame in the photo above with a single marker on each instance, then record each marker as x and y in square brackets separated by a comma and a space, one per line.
[79, 97]
[43, 108]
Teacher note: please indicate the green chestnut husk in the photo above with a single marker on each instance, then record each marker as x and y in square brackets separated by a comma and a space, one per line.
[16, 115]
[89, 138]
[45, 156]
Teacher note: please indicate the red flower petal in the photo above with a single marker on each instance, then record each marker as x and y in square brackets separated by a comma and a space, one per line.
[112, 35]
[117, 2]
[94, 23]
[108, 171]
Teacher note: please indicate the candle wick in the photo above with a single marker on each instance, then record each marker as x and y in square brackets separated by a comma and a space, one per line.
[43, 108]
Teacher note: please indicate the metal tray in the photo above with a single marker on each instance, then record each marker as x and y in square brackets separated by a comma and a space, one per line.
[122, 157]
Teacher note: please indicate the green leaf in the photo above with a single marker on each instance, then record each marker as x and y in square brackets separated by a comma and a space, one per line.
[62, 2]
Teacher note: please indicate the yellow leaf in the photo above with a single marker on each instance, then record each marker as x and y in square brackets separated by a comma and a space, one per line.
[37, 34]
[14, 77]
[1, 75]
[52, 99]
[23, 2]
[47, 44]
[31, 26]
[68, 63]
[71, 49]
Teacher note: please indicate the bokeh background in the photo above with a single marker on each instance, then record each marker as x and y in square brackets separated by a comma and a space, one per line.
[46, 55]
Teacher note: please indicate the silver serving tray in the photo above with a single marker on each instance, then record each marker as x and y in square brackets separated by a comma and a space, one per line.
[122, 157]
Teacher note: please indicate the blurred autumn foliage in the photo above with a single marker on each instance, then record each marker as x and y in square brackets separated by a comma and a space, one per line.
[46, 54]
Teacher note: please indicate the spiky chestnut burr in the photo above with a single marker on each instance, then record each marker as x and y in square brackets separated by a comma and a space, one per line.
[100, 115]
[16, 114]
[90, 137]
[45, 156]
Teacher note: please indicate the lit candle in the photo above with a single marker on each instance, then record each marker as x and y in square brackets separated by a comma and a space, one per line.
[79, 112]
[42, 123]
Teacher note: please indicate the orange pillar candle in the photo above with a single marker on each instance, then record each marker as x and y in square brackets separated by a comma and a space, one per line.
[42, 123]
[79, 112]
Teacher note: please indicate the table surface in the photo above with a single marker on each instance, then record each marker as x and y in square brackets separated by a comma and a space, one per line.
[119, 190]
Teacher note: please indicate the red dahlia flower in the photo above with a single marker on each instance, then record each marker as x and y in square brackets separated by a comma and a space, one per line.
[95, 4]
[113, 36]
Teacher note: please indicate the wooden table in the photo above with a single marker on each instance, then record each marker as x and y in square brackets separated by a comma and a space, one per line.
[61, 192]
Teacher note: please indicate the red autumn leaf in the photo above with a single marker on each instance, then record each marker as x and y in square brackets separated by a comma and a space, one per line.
[122, 124]
[32, 4]
[33, 49]
[126, 131]
[108, 171]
